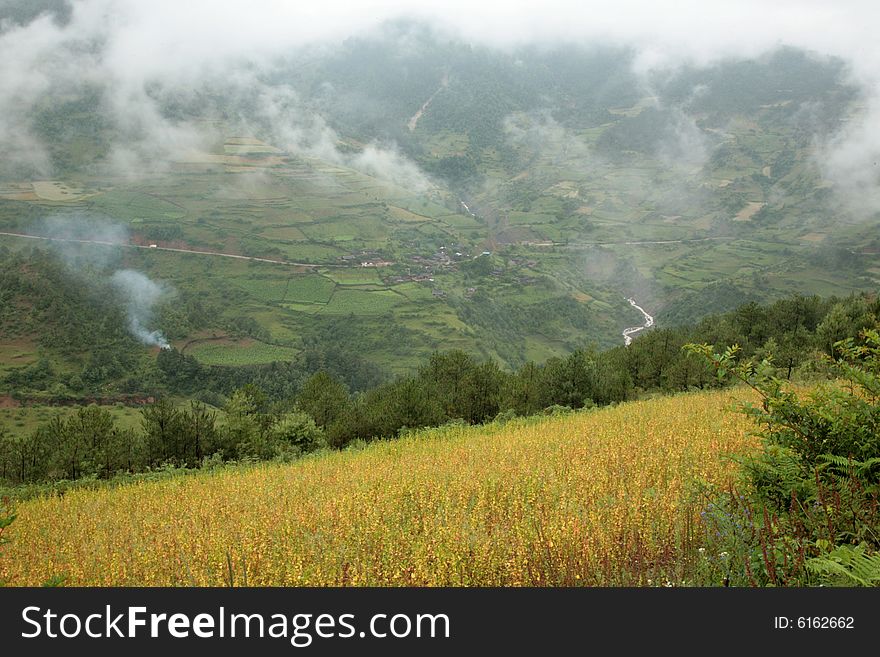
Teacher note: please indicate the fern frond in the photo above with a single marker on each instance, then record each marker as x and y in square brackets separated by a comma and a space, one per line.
[850, 562]
[844, 464]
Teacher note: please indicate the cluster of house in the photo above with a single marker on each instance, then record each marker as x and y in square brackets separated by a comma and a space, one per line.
[444, 257]
[406, 278]
[524, 262]
[425, 267]
[365, 259]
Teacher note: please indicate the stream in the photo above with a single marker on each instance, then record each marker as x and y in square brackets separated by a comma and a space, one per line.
[632, 330]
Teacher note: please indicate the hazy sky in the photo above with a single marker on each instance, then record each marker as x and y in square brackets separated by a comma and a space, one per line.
[204, 28]
[149, 36]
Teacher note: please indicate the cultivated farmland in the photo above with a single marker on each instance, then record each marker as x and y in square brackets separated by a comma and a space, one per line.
[594, 498]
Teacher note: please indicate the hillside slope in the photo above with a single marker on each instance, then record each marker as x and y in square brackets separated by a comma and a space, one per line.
[301, 205]
[596, 498]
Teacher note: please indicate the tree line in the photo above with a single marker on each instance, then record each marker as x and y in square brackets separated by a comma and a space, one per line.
[259, 422]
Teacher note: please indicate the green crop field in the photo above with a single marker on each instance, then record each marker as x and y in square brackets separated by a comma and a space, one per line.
[227, 352]
[361, 302]
[355, 276]
[24, 419]
[309, 288]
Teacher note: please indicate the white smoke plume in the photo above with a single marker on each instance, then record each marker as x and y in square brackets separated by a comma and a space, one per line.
[89, 244]
[141, 296]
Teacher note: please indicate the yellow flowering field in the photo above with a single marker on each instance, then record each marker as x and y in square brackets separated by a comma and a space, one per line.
[594, 498]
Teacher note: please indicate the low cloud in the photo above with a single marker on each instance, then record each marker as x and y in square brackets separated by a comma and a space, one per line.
[279, 113]
[542, 135]
[141, 54]
[850, 159]
[684, 146]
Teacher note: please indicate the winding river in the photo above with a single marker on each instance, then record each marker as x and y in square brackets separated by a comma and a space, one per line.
[629, 332]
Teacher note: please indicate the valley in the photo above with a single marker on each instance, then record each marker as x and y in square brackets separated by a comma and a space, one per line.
[438, 298]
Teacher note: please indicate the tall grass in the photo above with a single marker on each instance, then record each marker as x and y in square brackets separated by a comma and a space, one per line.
[594, 498]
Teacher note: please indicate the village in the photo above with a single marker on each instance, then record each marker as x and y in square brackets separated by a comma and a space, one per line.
[445, 259]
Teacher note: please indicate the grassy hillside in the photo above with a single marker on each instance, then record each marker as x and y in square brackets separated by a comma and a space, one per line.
[604, 497]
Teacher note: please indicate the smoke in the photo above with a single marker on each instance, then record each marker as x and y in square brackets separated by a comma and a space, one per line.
[82, 240]
[141, 296]
[86, 245]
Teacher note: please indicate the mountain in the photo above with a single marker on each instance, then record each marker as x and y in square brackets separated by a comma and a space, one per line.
[408, 191]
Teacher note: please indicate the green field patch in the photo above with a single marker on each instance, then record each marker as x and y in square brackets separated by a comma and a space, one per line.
[241, 352]
[310, 289]
[297, 216]
[130, 205]
[428, 209]
[325, 232]
[472, 234]
[16, 353]
[539, 352]
[548, 232]
[547, 205]
[310, 252]
[25, 419]
[316, 206]
[400, 214]
[264, 288]
[439, 324]
[355, 276]
[346, 228]
[291, 233]
[687, 274]
[446, 144]
[308, 308]
[433, 230]
[414, 291]
[360, 302]
[249, 149]
[460, 221]
[527, 218]
[523, 295]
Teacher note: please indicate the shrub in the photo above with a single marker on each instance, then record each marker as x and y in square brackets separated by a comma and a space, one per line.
[811, 513]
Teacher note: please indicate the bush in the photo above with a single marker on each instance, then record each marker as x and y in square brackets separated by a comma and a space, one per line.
[298, 430]
[811, 511]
